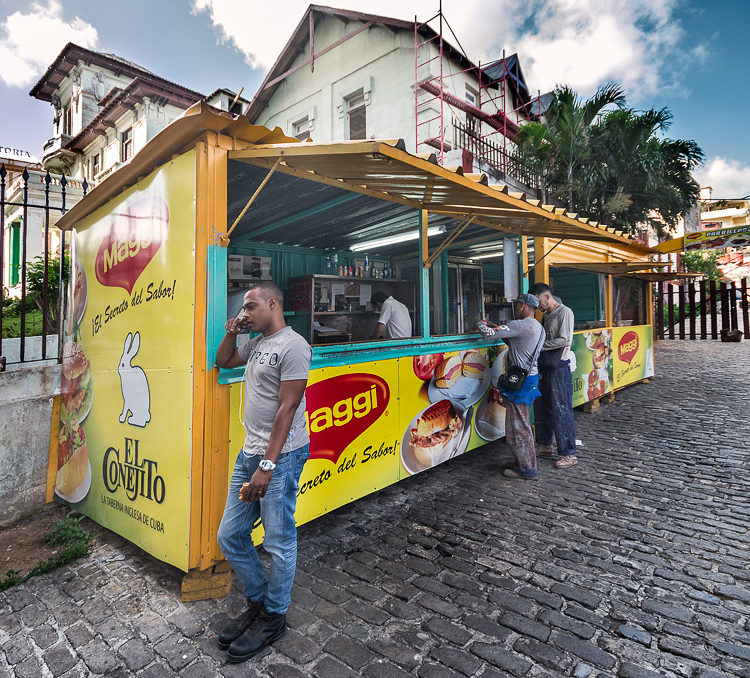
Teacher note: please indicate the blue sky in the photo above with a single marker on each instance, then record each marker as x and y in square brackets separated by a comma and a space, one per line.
[683, 54]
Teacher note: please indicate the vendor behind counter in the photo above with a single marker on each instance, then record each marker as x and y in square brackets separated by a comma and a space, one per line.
[394, 321]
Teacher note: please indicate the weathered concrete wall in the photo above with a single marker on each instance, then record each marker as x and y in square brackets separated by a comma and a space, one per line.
[25, 410]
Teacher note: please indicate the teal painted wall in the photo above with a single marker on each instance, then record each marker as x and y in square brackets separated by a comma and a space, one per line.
[579, 291]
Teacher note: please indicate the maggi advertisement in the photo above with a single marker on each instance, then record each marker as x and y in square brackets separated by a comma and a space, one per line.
[592, 377]
[125, 439]
[372, 424]
[632, 353]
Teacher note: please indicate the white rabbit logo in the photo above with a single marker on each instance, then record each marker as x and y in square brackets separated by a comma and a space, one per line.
[134, 385]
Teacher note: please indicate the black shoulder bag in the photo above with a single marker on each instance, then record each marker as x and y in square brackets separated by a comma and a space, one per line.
[515, 375]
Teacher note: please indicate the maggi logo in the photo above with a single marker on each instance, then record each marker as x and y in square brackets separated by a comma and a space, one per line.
[343, 411]
[628, 347]
[340, 409]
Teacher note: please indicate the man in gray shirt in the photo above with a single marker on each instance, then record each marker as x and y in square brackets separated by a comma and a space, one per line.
[553, 412]
[524, 338]
[266, 474]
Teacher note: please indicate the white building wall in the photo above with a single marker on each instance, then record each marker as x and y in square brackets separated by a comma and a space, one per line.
[380, 63]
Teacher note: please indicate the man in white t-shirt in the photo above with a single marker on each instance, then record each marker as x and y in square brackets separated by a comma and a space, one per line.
[267, 471]
[394, 321]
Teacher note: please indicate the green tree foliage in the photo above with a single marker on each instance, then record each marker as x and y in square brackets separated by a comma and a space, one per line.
[35, 285]
[703, 262]
[613, 166]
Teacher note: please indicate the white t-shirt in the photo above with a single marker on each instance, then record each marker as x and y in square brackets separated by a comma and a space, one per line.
[395, 316]
[282, 356]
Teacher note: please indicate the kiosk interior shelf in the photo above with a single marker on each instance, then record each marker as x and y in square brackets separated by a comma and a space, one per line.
[340, 309]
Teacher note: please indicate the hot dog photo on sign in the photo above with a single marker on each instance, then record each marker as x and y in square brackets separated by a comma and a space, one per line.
[442, 430]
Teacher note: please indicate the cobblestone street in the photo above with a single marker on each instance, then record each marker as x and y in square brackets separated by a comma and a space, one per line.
[634, 563]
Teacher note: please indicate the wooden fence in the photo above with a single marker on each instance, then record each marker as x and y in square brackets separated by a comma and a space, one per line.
[702, 310]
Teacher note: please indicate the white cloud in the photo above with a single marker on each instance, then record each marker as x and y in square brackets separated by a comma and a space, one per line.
[581, 43]
[29, 42]
[728, 178]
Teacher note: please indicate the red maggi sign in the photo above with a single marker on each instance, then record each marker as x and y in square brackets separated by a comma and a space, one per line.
[340, 409]
[628, 347]
[133, 239]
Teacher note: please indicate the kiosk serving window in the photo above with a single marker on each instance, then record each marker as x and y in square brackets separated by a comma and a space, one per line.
[336, 254]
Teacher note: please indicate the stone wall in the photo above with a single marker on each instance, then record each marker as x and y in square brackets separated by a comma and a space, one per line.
[26, 393]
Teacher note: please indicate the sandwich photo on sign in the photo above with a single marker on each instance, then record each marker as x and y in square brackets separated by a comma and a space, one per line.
[436, 434]
[463, 378]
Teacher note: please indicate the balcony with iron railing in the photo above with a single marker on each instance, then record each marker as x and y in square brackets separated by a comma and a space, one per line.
[508, 162]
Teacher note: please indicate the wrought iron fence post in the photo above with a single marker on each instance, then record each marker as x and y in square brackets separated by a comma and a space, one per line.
[3, 173]
[45, 301]
[61, 295]
[25, 232]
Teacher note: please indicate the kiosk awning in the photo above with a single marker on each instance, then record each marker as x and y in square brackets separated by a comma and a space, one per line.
[384, 170]
[661, 276]
[611, 267]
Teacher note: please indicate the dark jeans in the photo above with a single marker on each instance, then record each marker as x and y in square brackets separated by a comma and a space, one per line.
[553, 411]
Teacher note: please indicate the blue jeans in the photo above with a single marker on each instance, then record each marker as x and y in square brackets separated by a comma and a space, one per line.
[553, 411]
[276, 513]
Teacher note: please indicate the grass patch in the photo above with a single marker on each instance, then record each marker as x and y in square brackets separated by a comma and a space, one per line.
[12, 324]
[73, 541]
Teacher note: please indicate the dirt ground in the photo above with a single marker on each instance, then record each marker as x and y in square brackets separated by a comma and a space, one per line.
[22, 544]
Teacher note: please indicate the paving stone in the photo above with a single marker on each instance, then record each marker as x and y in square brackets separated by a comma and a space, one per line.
[585, 650]
[433, 670]
[678, 612]
[176, 650]
[284, 671]
[562, 621]
[487, 626]
[28, 668]
[59, 659]
[99, 657]
[634, 633]
[381, 668]
[739, 651]
[577, 594]
[439, 606]
[543, 654]
[457, 659]
[501, 657]
[354, 654]
[405, 657]
[200, 669]
[136, 654]
[328, 667]
[447, 630]
[525, 626]
[44, 636]
[297, 647]
[630, 670]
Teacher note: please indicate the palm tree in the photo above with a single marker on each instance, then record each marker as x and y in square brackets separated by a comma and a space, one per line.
[634, 171]
[561, 142]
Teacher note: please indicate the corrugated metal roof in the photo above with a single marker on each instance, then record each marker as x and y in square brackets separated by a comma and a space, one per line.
[383, 170]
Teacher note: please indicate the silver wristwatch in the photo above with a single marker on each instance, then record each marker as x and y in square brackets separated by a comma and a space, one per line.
[266, 465]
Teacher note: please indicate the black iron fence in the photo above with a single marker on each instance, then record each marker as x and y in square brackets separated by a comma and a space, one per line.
[703, 310]
[33, 276]
[510, 164]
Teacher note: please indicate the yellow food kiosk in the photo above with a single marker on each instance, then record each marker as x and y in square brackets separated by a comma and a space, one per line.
[162, 252]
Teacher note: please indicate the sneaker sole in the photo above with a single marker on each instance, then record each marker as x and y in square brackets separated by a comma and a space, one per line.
[236, 659]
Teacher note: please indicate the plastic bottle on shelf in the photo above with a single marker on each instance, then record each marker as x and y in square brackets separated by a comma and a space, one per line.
[367, 266]
[341, 272]
[329, 265]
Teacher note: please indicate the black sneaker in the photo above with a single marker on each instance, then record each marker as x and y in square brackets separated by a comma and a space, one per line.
[240, 625]
[266, 629]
